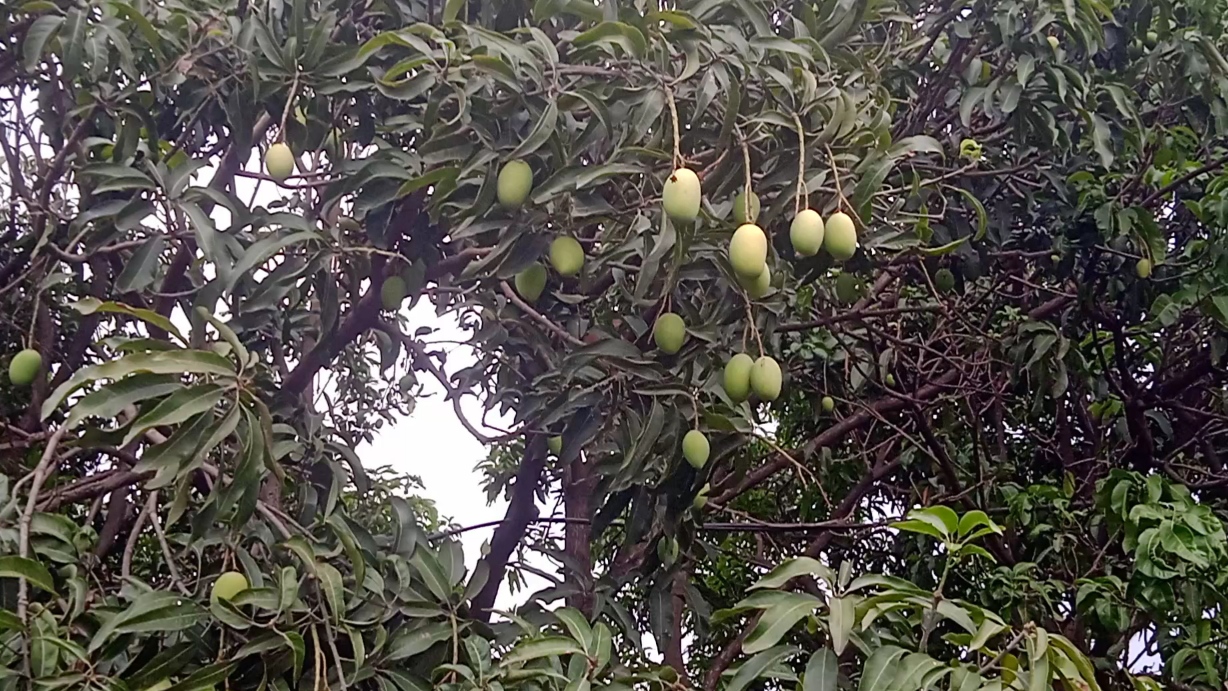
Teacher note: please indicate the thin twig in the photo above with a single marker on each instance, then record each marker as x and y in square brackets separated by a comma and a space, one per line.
[45, 466]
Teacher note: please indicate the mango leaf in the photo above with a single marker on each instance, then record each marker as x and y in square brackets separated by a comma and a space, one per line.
[792, 568]
[36, 574]
[822, 671]
[752, 670]
[159, 362]
[774, 622]
[879, 670]
[551, 646]
[176, 408]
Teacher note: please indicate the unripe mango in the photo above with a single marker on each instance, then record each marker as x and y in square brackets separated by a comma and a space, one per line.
[695, 448]
[944, 280]
[279, 161]
[766, 378]
[806, 233]
[555, 444]
[737, 377]
[748, 251]
[514, 184]
[566, 255]
[392, 293]
[848, 288]
[681, 195]
[1143, 268]
[669, 332]
[24, 367]
[759, 286]
[741, 214]
[531, 282]
[828, 403]
[840, 236]
[228, 585]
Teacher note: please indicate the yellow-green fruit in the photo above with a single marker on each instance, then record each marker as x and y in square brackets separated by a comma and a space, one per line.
[737, 377]
[758, 286]
[669, 332]
[889, 380]
[667, 550]
[986, 71]
[695, 448]
[766, 379]
[160, 686]
[748, 250]
[848, 289]
[840, 236]
[739, 208]
[392, 293]
[515, 183]
[944, 280]
[681, 195]
[555, 445]
[24, 367]
[829, 404]
[1054, 43]
[701, 499]
[1143, 268]
[531, 282]
[279, 161]
[1151, 39]
[566, 255]
[806, 233]
[228, 585]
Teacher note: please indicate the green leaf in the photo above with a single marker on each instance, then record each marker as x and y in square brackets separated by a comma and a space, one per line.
[36, 574]
[176, 408]
[629, 38]
[91, 305]
[975, 519]
[822, 671]
[408, 643]
[540, 133]
[753, 669]
[334, 589]
[37, 36]
[785, 611]
[551, 646]
[841, 619]
[153, 611]
[428, 567]
[798, 566]
[577, 626]
[880, 667]
[111, 399]
[161, 362]
[142, 267]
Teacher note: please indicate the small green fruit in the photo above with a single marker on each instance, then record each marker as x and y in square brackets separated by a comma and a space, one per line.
[740, 215]
[766, 378]
[701, 499]
[829, 404]
[1143, 268]
[695, 448]
[514, 184]
[681, 195]
[944, 280]
[848, 288]
[24, 367]
[669, 332]
[889, 380]
[160, 686]
[555, 444]
[228, 585]
[758, 286]
[737, 377]
[566, 255]
[1054, 43]
[748, 251]
[840, 236]
[531, 282]
[279, 161]
[392, 293]
[1151, 40]
[806, 233]
[667, 550]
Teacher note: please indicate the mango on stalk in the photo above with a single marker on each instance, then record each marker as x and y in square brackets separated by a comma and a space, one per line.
[531, 282]
[766, 378]
[806, 233]
[514, 184]
[744, 213]
[737, 377]
[840, 237]
[681, 195]
[669, 332]
[748, 251]
[566, 255]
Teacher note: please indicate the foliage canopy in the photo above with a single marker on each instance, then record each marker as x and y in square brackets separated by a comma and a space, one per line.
[996, 461]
